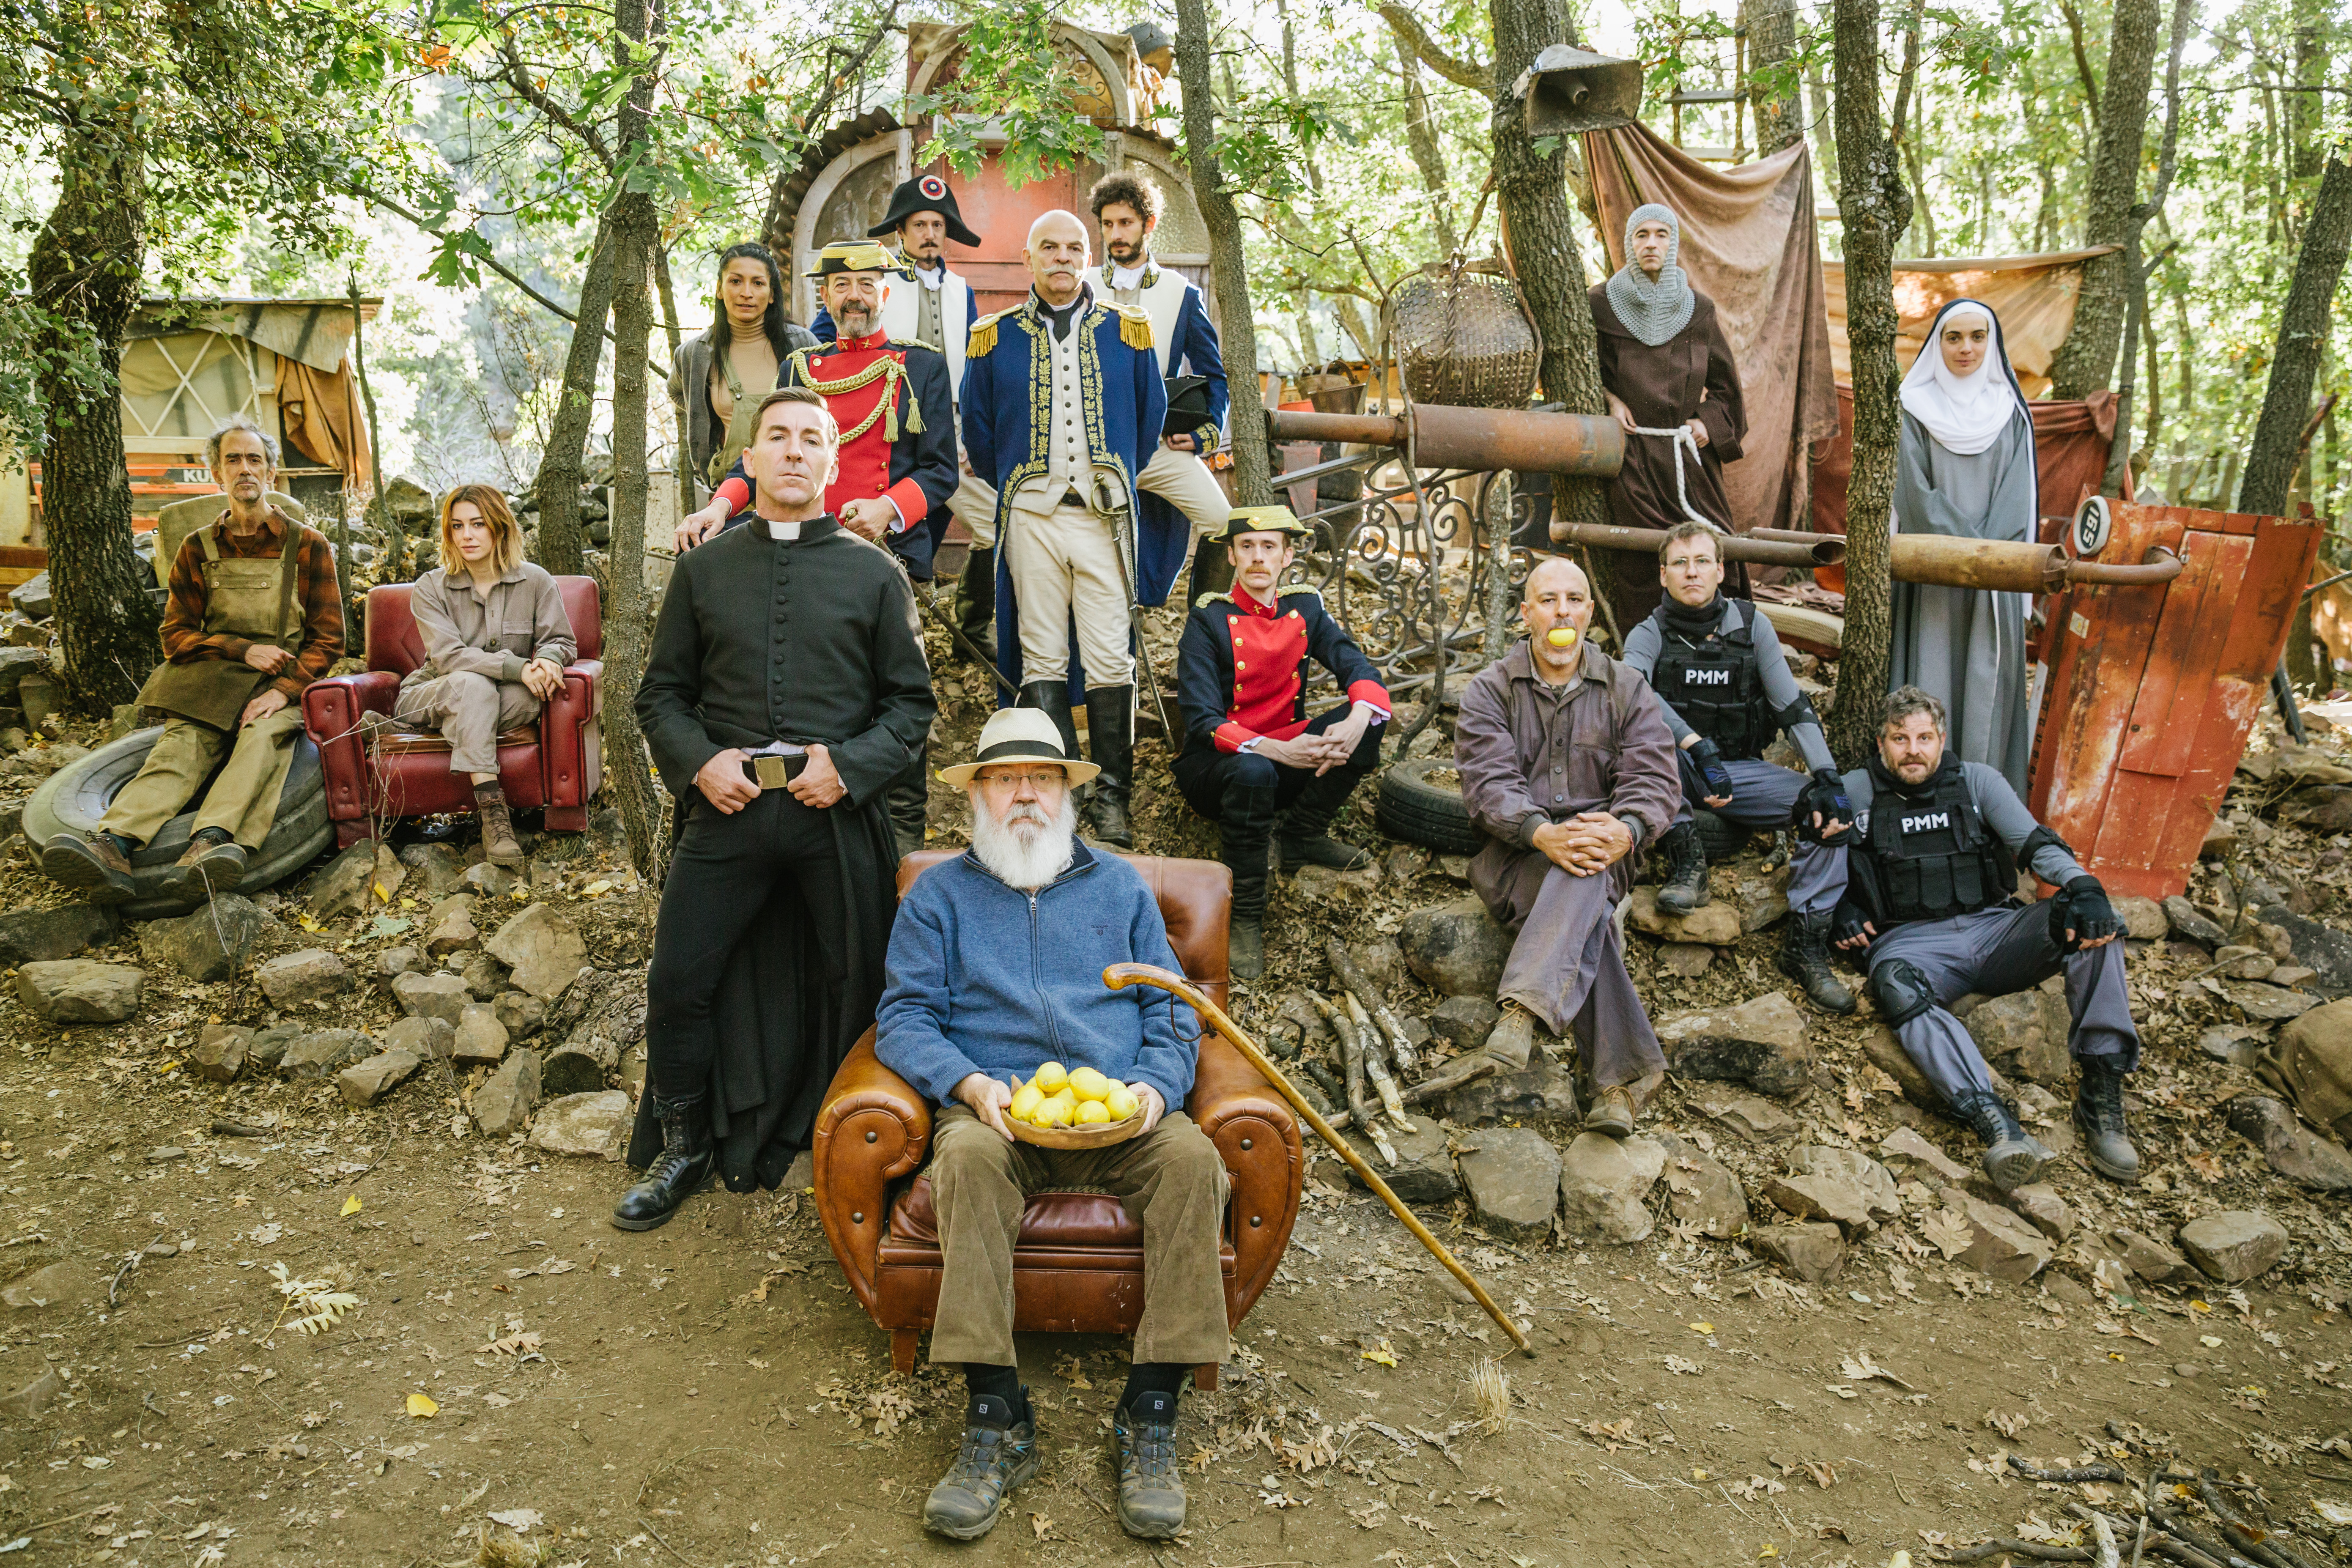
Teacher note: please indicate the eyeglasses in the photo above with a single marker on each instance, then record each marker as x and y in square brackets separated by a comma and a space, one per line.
[1042, 780]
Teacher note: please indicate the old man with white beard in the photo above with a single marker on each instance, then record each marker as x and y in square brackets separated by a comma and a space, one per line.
[995, 968]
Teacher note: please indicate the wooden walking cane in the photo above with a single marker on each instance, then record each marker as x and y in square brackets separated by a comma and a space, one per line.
[1119, 976]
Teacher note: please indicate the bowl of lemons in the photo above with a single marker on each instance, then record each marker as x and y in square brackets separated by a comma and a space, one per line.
[1081, 1108]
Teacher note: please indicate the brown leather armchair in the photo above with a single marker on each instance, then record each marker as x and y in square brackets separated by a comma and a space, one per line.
[1078, 1260]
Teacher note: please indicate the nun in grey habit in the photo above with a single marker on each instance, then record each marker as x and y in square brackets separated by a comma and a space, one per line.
[1965, 467]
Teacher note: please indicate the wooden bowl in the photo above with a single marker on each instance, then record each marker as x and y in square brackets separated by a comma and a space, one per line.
[1101, 1135]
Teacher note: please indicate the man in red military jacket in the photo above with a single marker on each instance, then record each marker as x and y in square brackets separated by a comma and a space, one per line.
[1251, 758]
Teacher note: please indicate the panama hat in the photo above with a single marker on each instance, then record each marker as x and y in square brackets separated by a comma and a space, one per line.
[1260, 520]
[1019, 735]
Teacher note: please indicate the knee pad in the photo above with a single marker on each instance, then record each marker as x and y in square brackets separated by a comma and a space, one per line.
[1901, 989]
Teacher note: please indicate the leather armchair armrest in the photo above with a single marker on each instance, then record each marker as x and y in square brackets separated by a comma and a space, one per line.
[1256, 1134]
[872, 1128]
[330, 712]
[563, 733]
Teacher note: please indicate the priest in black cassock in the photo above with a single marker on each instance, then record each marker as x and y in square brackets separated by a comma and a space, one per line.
[783, 691]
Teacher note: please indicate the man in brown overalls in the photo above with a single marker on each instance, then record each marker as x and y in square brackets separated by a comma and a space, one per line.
[254, 616]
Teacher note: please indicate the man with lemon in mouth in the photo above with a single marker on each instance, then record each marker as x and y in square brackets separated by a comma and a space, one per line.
[1569, 771]
[996, 975]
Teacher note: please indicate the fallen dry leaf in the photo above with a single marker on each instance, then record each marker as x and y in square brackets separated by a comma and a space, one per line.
[521, 1521]
[421, 1405]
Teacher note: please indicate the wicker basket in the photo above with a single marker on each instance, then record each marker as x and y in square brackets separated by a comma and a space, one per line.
[1464, 339]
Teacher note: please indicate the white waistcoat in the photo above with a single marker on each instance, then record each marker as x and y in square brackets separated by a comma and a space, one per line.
[1161, 296]
[904, 309]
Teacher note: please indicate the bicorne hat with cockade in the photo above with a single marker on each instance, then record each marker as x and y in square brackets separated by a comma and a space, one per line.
[924, 194]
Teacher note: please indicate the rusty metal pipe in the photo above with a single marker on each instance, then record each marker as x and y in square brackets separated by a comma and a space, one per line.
[2159, 565]
[1948, 560]
[1815, 549]
[1589, 446]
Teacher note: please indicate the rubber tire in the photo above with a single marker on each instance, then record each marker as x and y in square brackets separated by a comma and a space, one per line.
[1407, 805]
[78, 795]
[1719, 837]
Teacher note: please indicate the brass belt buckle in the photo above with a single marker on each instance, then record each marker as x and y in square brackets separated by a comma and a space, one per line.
[772, 771]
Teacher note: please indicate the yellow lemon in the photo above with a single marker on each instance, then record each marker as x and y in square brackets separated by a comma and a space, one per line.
[1123, 1102]
[1050, 1077]
[1089, 1084]
[1025, 1101]
[1092, 1111]
[1561, 636]
[1056, 1110]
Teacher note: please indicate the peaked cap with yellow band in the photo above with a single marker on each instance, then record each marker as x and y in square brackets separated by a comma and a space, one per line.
[853, 256]
[1260, 520]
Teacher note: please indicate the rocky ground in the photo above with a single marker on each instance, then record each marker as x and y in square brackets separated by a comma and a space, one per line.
[303, 1256]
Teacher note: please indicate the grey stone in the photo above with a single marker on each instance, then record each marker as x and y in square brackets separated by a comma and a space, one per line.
[451, 931]
[2299, 1155]
[2320, 948]
[1869, 1178]
[313, 974]
[323, 1052]
[1380, 960]
[1542, 1090]
[543, 949]
[342, 888]
[521, 1012]
[267, 1046]
[1465, 1022]
[1602, 1184]
[1423, 1175]
[1814, 1253]
[1687, 959]
[208, 944]
[2232, 1043]
[2235, 1245]
[2150, 1259]
[36, 694]
[489, 880]
[220, 1052]
[1906, 1153]
[1513, 1177]
[505, 1101]
[23, 1403]
[1454, 949]
[2144, 918]
[2036, 1202]
[364, 1082]
[30, 935]
[438, 867]
[59, 1285]
[481, 1039]
[395, 962]
[485, 976]
[1746, 1116]
[79, 990]
[2184, 919]
[1717, 923]
[593, 1126]
[434, 995]
[1818, 1197]
[1762, 1043]
[32, 600]
[427, 1040]
[1702, 1191]
[2024, 1035]
[2240, 961]
[15, 663]
[1404, 863]
[2002, 1245]
[2259, 1001]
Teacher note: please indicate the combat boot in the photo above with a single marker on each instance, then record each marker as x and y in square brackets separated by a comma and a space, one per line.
[1805, 959]
[1683, 887]
[2099, 1120]
[999, 1452]
[678, 1173]
[1150, 1492]
[1304, 839]
[2012, 1156]
[500, 845]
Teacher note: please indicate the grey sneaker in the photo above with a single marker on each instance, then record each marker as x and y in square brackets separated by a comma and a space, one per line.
[1151, 1494]
[999, 1453]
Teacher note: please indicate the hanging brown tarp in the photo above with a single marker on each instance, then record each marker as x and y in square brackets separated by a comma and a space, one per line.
[322, 415]
[2033, 295]
[1748, 245]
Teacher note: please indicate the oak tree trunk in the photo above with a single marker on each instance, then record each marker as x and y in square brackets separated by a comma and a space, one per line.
[1237, 323]
[1772, 80]
[556, 491]
[85, 271]
[1876, 209]
[2086, 359]
[2302, 338]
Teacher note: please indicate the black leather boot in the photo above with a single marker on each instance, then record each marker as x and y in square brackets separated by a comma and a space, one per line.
[1805, 959]
[910, 802]
[975, 600]
[999, 1452]
[2099, 1120]
[2012, 1156]
[1212, 573]
[678, 1173]
[1683, 887]
[1245, 824]
[1052, 698]
[1111, 738]
[1304, 839]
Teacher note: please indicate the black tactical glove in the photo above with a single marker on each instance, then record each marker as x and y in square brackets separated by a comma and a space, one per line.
[1709, 764]
[2082, 907]
[1824, 797]
[1848, 922]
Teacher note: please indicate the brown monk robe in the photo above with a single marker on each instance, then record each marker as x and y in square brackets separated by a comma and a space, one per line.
[1665, 363]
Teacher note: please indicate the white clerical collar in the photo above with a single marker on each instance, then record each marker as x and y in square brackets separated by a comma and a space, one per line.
[1129, 276]
[783, 533]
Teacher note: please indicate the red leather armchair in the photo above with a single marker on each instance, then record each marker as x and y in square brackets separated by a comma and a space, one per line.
[1078, 1263]
[555, 765]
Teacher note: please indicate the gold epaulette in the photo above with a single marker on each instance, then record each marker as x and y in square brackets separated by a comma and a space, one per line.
[1309, 589]
[1205, 600]
[1134, 326]
[912, 343]
[983, 334]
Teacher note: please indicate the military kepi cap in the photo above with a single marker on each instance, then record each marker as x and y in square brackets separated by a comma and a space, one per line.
[852, 256]
[924, 194]
[1260, 520]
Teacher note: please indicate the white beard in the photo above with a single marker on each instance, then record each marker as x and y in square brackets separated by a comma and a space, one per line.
[1028, 854]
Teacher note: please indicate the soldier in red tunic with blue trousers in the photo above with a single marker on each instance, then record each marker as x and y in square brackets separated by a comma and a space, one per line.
[897, 461]
[1251, 758]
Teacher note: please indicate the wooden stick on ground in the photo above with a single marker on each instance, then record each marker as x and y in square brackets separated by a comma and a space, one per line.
[1351, 975]
[1119, 976]
[1375, 1067]
[1351, 1056]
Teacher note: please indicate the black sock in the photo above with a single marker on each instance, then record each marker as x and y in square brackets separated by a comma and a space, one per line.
[1153, 1377]
[205, 836]
[1005, 1381]
[122, 845]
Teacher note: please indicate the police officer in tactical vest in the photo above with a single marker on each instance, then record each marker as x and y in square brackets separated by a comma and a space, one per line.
[1727, 690]
[1931, 900]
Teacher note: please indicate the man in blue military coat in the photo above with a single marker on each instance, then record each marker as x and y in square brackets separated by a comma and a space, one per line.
[1062, 408]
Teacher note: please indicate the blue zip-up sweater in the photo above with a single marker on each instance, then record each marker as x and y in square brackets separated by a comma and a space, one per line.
[986, 978]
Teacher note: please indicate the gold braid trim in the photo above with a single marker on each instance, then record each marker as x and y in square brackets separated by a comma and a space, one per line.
[1134, 327]
[885, 408]
[983, 336]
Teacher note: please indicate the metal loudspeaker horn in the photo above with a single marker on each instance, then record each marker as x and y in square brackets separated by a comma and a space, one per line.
[1571, 90]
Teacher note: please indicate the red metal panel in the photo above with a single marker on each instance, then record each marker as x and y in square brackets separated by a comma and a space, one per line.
[2187, 650]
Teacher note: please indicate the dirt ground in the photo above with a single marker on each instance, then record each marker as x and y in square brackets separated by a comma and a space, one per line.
[710, 1392]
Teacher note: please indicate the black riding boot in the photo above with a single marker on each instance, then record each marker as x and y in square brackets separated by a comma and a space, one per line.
[910, 802]
[1052, 698]
[975, 599]
[2012, 1156]
[1246, 824]
[1303, 840]
[1110, 737]
[2099, 1120]
[1212, 573]
[678, 1173]
[1683, 887]
[1805, 959]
